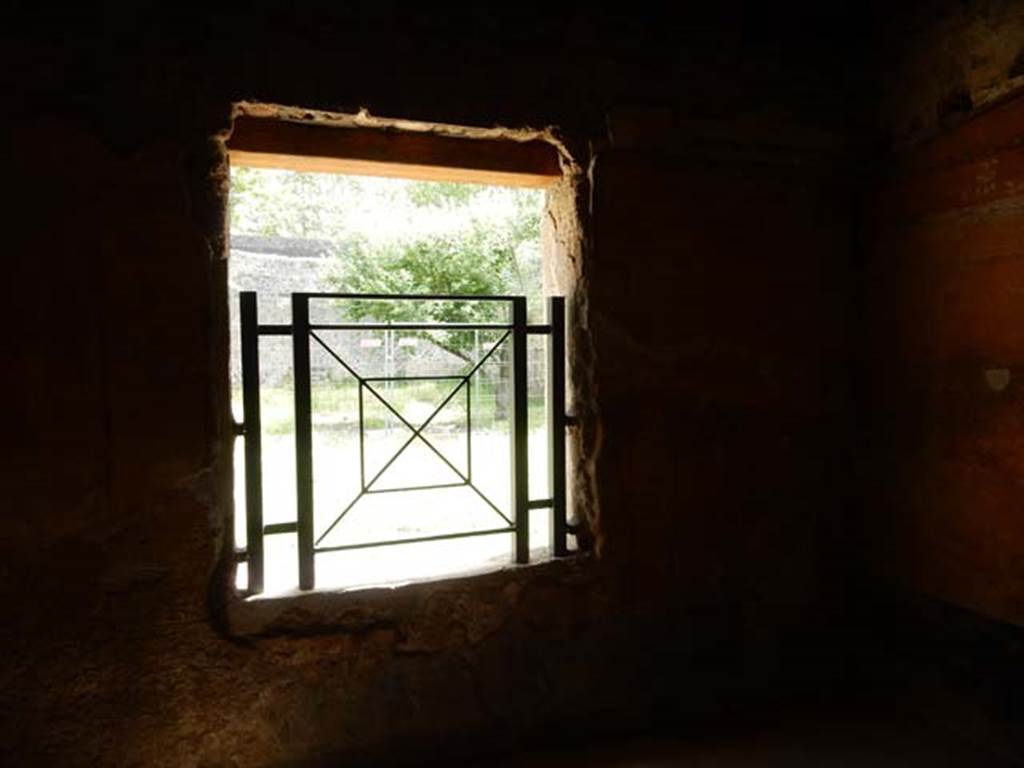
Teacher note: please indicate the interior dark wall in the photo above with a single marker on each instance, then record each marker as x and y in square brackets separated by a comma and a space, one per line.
[715, 266]
[941, 534]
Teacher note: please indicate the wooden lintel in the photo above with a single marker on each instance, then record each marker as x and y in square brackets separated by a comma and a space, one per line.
[379, 152]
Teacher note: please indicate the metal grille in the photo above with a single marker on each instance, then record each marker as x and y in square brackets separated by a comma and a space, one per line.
[306, 335]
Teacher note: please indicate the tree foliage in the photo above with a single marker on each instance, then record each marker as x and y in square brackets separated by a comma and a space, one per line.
[279, 203]
[438, 194]
[443, 238]
[475, 262]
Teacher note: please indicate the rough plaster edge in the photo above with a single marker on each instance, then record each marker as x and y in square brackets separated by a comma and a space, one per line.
[363, 119]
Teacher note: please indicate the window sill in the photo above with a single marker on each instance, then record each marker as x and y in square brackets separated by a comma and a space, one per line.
[361, 609]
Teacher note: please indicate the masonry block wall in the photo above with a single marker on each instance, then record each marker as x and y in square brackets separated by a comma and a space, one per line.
[716, 304]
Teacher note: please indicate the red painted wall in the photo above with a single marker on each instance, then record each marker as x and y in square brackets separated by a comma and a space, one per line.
[945, 292]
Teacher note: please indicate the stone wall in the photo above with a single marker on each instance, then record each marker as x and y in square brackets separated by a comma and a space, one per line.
[710, 322]
[274, 277]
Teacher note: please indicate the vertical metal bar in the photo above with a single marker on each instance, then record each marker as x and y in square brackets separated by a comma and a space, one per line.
[303, 439]
[469, 430]
[520, 433]
[362, 442]
[556, 424]
[253, 445]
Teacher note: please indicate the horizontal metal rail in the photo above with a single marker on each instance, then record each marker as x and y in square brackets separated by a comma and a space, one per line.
[273, 528]
[405, 297]
[439, 377]
[417, 540]
[282, 329]
[409, 326]
[433, 487]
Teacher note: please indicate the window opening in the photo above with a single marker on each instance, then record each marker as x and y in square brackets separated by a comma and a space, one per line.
[399, 419]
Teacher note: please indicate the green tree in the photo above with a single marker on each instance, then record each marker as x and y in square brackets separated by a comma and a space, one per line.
[407, 237]
[476, 262]
[439, 194]
[279, 203]
[484, 257]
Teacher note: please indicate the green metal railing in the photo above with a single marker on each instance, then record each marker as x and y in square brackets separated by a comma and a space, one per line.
[304, 334]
